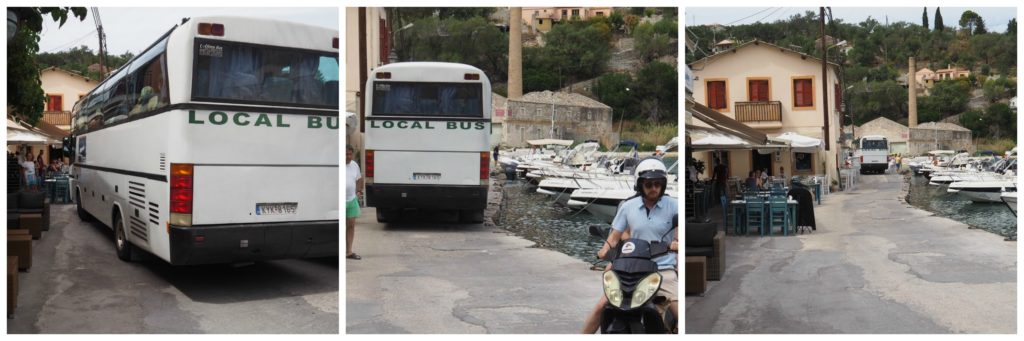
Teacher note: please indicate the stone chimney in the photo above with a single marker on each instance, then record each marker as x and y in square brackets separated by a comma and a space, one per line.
[912, 95]
[515, 53]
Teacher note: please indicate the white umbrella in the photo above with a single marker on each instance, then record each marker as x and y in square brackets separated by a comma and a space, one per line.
[17, 136]
[799, 142]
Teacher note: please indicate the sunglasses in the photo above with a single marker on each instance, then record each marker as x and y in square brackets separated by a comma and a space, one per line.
[654, 184]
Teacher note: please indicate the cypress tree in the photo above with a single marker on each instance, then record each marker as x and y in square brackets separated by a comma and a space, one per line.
[924, 18]
[938, 20]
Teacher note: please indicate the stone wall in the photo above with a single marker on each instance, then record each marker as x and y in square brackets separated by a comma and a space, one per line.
[532, 120]
[925, 140]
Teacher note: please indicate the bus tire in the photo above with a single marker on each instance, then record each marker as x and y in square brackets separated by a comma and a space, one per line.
[471, 216]
[124, 248]
[383, 215]
[82, 213]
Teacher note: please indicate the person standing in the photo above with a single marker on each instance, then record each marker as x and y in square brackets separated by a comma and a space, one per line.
[720, 178]
[353, 189]
[29, 170]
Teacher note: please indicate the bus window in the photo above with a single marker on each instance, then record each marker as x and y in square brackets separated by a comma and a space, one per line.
[234, 72]
[427, 99]
[873, 144]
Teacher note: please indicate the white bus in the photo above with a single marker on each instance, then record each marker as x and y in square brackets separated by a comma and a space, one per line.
[428, 128]
[874, 154]
[217, 144]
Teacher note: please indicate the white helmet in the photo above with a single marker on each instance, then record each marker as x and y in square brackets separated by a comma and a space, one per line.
[649, 168]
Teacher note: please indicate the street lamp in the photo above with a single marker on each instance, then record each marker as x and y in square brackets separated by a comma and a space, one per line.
[393, 56]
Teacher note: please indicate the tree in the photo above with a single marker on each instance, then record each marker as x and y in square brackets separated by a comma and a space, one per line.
[997, 88]
[1000, 121]
[971, 22]
[947, 98]
[617, 91]
[472, 41]
[649, 43]
[24, 90]
[631, 21]
[658, 88]
[938, 20]
[578, 50]
[1011, 27]
[617, 20]
[924, 18]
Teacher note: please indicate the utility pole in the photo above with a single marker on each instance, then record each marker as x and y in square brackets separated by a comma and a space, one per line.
[824, 73]
[363, 65]
[103, 42]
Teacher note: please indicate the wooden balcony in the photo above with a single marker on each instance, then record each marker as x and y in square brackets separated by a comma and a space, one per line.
[770, 111]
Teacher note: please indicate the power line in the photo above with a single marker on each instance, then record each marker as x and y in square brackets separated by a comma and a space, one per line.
[769, 14]
[745, 18]
[87, 35]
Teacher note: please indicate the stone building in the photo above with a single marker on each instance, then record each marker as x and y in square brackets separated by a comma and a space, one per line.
[897, 134]
[546, 114]
[939, 135]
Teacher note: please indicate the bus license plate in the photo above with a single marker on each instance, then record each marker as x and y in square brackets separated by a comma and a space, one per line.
[426, 176]
[276, 208]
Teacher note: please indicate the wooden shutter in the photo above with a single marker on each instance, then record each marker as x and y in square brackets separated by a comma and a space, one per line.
[802, 93]
[839, 98]
[55, 103]
[716, 95]
[757, 90]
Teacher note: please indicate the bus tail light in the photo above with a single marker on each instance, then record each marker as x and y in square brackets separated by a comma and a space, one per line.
[383, 75]
[862, 159]
[182, 175]
[369, 166]
[334, 43]
[208, 29]
[472, 77]
[485, 166]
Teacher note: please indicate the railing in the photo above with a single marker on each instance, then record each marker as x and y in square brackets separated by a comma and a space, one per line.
[770, 111]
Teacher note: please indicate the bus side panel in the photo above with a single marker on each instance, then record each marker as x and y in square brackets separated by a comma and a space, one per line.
[229, 194]
[135, 158]
[426, 168]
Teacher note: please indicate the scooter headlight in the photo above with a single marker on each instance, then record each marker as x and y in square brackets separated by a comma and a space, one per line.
[611, 288]
[645, 290]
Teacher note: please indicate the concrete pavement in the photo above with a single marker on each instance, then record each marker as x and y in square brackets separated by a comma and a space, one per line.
[78, 285]
[874, 265]
[451, 278]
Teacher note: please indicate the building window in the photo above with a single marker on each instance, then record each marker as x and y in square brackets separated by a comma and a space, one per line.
[565, 13]
[599, 14]
[576, 13]
[540, 21]
[757, 90]
[717, 95]
[803, 92]
[54, 102]
[803, 163]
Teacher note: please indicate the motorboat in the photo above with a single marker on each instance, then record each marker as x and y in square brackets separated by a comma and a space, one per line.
[603, 202]
[1010, 198]
[983, 191]
[999, 170]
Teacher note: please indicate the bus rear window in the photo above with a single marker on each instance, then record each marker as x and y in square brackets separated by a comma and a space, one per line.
[874, 145]
[242, 73]
[427, 99]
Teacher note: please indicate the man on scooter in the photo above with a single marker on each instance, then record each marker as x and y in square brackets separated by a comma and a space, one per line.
[647, 216]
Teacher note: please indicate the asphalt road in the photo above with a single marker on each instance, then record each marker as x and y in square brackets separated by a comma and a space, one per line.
[78, 285]
[448, 278]
[874, 265]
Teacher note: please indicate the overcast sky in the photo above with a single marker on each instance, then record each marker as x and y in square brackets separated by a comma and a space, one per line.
[995, 17]
[133, 29]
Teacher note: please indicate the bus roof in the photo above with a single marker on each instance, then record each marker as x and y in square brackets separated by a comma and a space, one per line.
[873, 137]
[418, 72]
[266, 32]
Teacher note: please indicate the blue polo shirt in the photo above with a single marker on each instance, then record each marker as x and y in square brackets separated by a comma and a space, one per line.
[649, 226]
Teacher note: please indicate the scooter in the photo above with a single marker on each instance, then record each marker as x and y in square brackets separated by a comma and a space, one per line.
[630, 286]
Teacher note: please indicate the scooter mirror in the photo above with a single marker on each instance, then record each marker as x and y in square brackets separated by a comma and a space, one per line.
[658, 249]
[597, 231]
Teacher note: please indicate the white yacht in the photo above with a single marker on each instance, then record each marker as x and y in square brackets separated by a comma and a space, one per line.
[1010, 198]
[983, 191]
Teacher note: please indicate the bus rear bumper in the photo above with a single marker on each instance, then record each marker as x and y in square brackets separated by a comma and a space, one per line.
[439, 197]
[211, 244]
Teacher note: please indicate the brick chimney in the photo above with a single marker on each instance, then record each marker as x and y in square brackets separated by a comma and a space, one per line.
[912, 95]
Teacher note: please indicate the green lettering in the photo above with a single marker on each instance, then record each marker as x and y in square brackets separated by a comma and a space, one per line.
[429, 126]
[240, 122]
[373, 124]
[218, 117]
[333, 122]
[403, 124]
[264, 120]
[192, 117]
[313, 122]
[452, 125]
[416, 125]
[479, 126]
[389, 124]
[465, 125]
[280, 122]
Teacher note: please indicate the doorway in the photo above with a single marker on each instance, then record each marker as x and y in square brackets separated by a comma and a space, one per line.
[761, 162]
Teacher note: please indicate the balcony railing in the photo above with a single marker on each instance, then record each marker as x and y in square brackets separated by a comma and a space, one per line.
[770, 111]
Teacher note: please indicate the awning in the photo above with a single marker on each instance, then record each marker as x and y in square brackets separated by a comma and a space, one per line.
[799, 142]
[544, 142]
[725, 124]
[18, 136]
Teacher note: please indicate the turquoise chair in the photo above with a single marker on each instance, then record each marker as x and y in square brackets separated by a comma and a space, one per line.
[779, 213]
[756, 215]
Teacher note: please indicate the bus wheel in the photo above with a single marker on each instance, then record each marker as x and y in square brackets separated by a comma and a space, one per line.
[82, 213]
[121, 243]
[471, 216]
[384, 215]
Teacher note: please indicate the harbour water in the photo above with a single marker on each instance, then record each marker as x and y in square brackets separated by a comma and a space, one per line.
[992, 217]
[538, 218]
